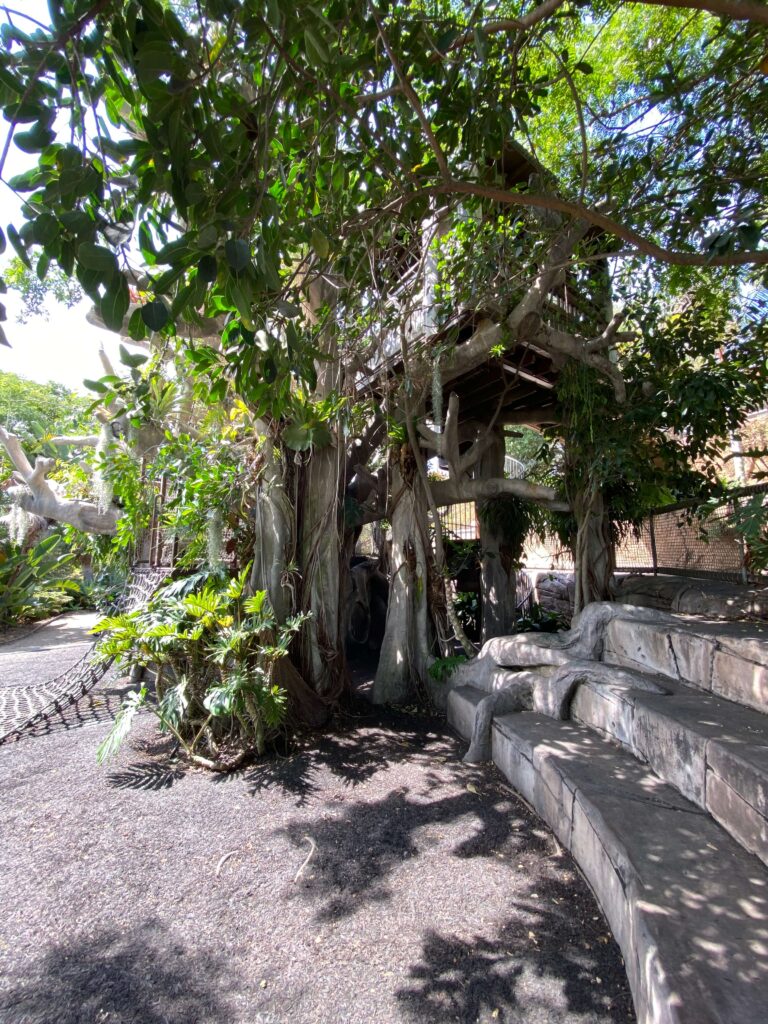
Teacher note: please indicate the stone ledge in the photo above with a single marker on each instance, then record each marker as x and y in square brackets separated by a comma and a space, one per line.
[725, 658]
[692, 596]
[713, 751]
[688, 906]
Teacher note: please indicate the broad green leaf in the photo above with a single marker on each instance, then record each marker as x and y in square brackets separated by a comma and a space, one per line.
[207, 269]
[297, 438]
[21, 250]
[320, 243]
[155, 315]
[133, 359]
[237, 253]
[315, 47]
[97, 257]
[115, 303]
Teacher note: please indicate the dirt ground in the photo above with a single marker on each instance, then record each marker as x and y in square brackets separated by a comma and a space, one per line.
[370, 877]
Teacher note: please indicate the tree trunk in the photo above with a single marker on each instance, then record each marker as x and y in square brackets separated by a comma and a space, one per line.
[406, 651]
[275, 518]
[593, 554]
[498, 577]
[320, 553]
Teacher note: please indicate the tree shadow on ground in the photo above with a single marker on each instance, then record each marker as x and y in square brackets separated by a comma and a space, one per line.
[367, 743]
[358, 851]
[471, 980]
[139, 977]
[140, 775]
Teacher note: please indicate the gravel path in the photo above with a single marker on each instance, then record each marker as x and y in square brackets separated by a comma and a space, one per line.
[34, 667]
[149, 893]
[42, 652]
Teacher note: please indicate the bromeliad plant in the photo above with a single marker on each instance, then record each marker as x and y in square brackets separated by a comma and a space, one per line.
[215, 649]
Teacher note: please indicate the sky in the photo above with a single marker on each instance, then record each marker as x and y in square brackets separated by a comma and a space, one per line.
[65, 347]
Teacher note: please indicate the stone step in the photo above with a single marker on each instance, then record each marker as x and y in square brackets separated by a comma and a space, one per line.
[713, 751]
[729, 659]
[687, 905]
[712, 598]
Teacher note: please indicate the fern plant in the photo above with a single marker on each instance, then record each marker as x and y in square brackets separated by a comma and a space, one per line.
[214, 649]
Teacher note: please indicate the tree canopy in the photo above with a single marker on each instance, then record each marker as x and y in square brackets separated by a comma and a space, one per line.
[317, 218]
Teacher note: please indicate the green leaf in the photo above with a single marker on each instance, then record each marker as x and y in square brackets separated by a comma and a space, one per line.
[219, 701]
[269, 370]
[45, 229]
[583, 67]
[315, 47]
[115, 303]
[297, 438]
[97, 257]
[137, 329]
[21, 251]
[132, 359]
[255, 603]
[320, 243]
[238, 254]
[207, 269]
[35, 140]
[97, 386]
[155, 315]
[2, 242]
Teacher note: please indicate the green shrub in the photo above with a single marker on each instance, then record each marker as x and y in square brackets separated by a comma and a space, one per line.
[216, 650]
[36, 582]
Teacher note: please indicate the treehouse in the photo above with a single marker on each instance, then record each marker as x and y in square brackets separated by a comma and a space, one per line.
[479, 363]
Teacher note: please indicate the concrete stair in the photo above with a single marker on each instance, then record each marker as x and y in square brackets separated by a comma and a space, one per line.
[712, 751]
[651, 766]
[687, 905]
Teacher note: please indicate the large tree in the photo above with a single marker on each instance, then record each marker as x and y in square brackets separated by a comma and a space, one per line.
[333, 213]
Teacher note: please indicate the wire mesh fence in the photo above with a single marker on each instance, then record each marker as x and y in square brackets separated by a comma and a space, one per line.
[676, 540]
[681, 540]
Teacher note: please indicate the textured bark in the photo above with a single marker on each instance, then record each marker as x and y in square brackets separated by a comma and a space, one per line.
[40, 497]
[274, 516]
[593, 556]
[320, 553]
[497, 570]
[406, 651]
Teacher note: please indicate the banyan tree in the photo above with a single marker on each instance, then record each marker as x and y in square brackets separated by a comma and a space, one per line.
[355, 244]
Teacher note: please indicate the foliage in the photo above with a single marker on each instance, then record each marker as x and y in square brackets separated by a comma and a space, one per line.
[35, 291]
[750, 519]
[539, 620]
[216, 651]
[36, 412]
[466, 603]
[36, 582]
[272, 167]
[513, 520]
[442, 668]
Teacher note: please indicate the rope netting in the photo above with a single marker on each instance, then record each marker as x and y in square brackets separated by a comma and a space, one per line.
[24, 706]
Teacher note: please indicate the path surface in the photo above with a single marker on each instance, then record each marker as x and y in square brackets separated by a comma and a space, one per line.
[43, 652]
[147, 893]
[32, 660]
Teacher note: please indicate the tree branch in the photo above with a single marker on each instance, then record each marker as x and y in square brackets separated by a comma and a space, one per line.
[42, 500]
[413, 99]
[538, 200]
[453, 492]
